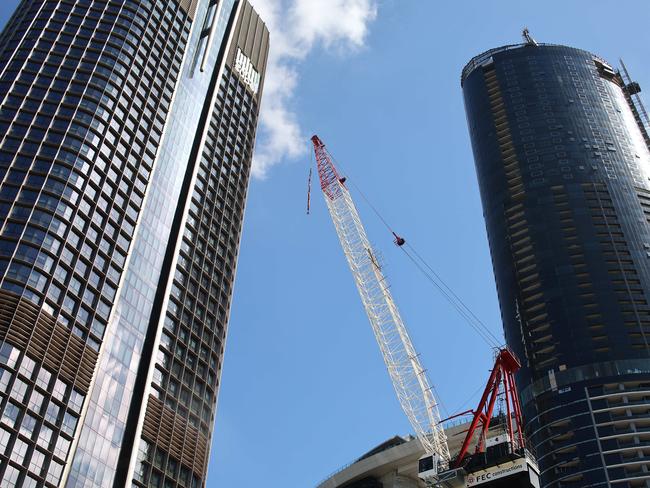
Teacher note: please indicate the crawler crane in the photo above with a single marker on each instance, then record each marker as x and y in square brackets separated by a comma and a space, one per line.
[409, 378]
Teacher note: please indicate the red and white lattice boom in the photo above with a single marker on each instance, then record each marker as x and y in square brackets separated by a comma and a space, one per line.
[409, 378]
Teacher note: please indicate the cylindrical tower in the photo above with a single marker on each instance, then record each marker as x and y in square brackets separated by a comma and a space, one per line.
[564, 175]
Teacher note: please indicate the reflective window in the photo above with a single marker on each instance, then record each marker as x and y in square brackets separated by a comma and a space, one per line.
[35, 402]
[44, 437]
[19, 390]
[43, 378]
[5, 437]
[10, 478]
[8, 355]
[30, 482]
[37, 462]
[5, 378]
[18, 452]
[28, 425]
[54, 472]
[10, 414]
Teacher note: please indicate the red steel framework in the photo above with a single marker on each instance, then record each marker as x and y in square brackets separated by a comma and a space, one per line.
[329, 177]
[502, 381]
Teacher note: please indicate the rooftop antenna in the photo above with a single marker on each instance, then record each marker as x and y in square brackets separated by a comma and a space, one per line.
[528, 39]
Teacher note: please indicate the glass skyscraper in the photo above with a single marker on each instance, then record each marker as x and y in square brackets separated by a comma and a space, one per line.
[564, 174]
[126, 135]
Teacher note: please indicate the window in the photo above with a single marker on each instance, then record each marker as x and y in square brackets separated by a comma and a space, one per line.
[10, 478]
[52, 413]
[157, 377]
[18, 452]
[18, 390]
[4, 440]
[59, 390]
[155, 480]
[54, 472]
[8, 355]
[36, 402]
[28, 425]
[30, 482]
[61, 448]
[69, 424]
[10, 414]
[44, 437]
[76, 401]
[5, 378]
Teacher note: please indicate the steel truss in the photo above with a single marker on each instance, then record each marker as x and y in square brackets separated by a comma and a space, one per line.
[409, 378]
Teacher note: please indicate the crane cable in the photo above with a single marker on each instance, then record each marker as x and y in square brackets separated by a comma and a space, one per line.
[471, 397]
[434, 278]
[463, 310]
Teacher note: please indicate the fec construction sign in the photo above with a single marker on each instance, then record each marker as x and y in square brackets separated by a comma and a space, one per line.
[496, 472]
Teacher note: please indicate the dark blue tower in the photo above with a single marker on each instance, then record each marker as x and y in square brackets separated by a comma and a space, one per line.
[564, 171]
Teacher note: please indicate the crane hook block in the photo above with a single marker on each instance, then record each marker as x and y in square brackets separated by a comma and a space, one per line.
[400, 241]
[342, 179]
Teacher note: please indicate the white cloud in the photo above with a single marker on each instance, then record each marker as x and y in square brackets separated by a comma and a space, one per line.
[297, 26]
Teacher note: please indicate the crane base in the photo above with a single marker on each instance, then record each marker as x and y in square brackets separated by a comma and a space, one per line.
[516, 471]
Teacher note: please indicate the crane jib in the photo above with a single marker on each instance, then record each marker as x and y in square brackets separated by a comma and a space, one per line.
[330, 180]
[409, 378]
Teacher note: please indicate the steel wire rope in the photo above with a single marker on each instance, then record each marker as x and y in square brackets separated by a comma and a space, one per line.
[461, 303]
[471, 397]
[437, 396]
[463, 310]
[482, 334]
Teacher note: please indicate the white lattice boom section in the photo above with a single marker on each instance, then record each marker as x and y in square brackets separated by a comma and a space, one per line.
[407, 374]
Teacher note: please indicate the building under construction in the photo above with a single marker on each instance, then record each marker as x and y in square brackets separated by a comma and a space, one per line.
[560, 141]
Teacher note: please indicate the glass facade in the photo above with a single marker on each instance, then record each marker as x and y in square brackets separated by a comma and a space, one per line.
[564, 174]
[188, 362]
[102, 117]
[184, 383]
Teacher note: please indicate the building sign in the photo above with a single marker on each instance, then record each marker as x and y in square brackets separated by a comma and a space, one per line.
[247, 72]
[496, 472]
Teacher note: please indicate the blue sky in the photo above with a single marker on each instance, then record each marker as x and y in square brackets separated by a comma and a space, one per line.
[304, 390]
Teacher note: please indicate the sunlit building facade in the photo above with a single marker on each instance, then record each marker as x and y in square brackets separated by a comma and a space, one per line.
[564, 173]
[126, 135]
